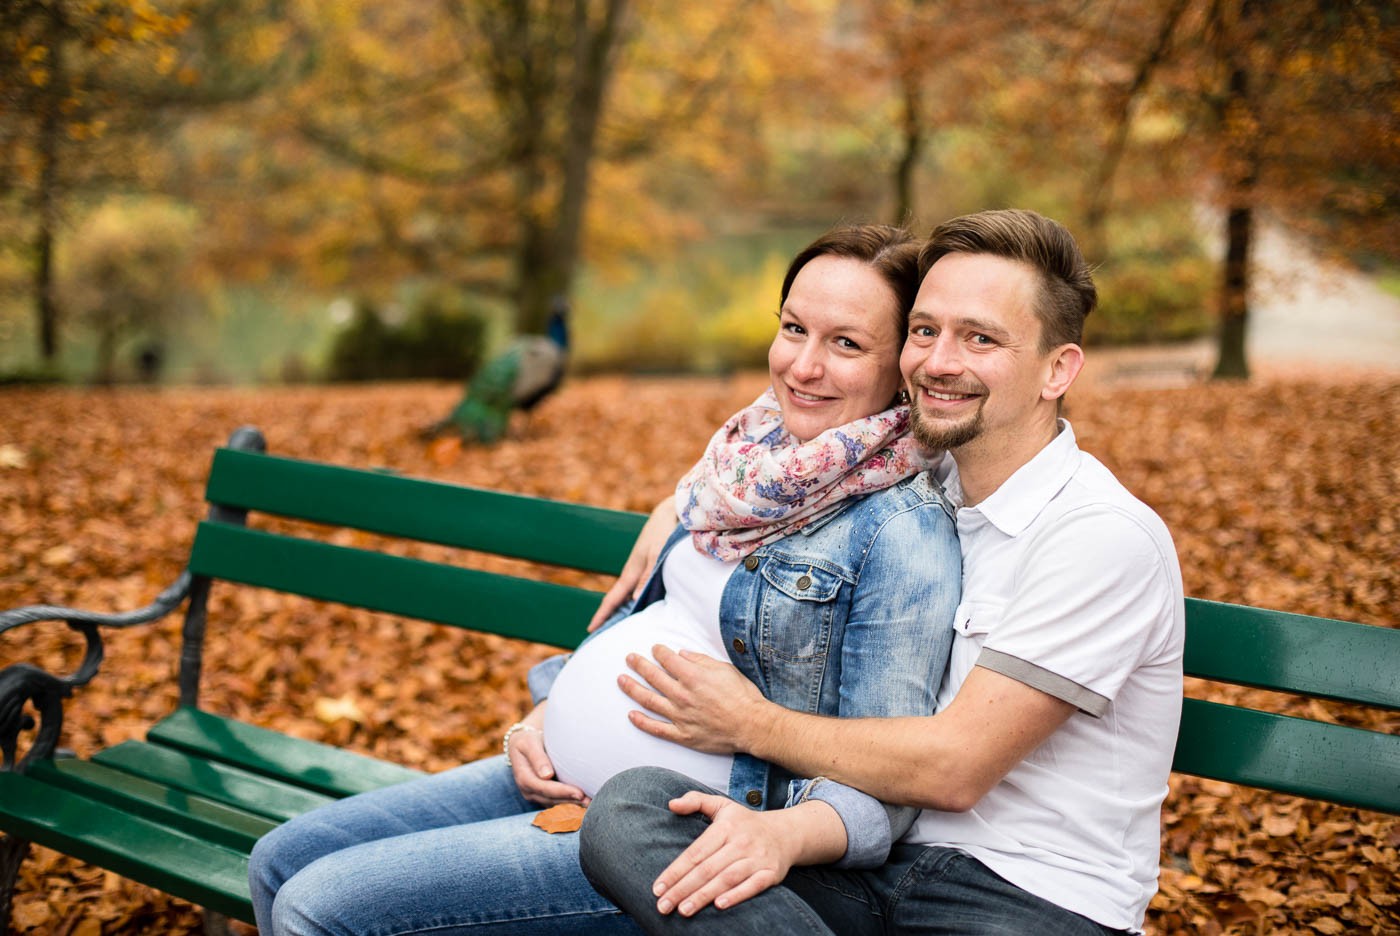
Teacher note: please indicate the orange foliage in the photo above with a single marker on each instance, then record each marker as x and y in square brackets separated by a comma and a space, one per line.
[1281, 493]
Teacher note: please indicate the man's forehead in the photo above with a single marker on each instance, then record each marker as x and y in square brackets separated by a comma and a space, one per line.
[978, 286]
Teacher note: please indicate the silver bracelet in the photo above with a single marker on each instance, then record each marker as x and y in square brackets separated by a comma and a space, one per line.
[518, 726]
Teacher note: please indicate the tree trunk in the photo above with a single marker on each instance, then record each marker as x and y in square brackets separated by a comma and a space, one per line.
[46, 210]
[1242, 174]
[1099, 196]
[45, 308]
[911, 122]
[593, 55]
[106, 373]
[1234, 295]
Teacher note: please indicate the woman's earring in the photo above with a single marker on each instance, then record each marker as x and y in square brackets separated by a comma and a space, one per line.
[901, 397]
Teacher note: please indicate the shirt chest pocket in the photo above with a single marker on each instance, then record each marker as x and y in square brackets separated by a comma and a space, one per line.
[797, 610]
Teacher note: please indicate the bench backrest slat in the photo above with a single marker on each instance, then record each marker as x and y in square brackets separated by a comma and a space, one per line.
[1292, 653]
[577, 536]
[499, 604]
[1291, 755]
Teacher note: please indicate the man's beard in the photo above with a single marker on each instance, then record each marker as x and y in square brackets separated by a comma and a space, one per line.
[937, 434]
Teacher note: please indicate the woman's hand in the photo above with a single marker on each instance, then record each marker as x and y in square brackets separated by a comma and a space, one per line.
[532, 768]
[639, 563]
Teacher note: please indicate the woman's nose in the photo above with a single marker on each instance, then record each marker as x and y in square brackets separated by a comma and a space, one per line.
[808, 365]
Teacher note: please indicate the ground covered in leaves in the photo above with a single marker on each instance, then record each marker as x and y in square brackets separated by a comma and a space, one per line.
[1281, 493]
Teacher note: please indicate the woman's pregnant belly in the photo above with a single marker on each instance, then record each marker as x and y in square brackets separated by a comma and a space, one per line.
[586, 730]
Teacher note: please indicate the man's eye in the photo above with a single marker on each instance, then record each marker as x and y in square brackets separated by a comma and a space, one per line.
[921, 331]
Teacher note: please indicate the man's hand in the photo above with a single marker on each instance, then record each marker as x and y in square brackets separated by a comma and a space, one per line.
[707, 704]
[743, 853]
[640, 561]
[532, 768]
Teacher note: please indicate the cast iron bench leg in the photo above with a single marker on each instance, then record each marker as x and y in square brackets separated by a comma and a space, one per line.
[12, 853]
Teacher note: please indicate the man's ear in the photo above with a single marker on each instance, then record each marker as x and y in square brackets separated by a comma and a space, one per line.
[1066, 362]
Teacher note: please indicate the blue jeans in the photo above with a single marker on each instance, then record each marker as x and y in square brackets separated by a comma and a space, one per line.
[453, 852]
[629, 836]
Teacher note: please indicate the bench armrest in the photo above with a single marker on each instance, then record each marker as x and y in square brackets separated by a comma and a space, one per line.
[22, 683]
[163, 604]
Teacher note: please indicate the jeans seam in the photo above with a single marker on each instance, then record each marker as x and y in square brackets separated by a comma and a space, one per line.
[474, 921]
[931, 861]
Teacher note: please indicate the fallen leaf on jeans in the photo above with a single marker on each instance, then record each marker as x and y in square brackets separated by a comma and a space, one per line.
[566, 817]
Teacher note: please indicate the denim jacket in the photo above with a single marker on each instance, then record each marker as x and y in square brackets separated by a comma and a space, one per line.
[849, 616]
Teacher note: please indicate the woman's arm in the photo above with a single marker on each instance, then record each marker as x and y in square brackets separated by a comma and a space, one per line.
[531, 766]
[640, 561]
[894, 651]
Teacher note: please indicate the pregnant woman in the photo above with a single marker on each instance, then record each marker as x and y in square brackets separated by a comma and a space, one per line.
[812, 552]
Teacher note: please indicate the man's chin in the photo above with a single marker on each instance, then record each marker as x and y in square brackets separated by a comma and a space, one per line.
[939, 434]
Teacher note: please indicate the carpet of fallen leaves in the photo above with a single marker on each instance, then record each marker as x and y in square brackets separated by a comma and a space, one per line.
[1280, 493]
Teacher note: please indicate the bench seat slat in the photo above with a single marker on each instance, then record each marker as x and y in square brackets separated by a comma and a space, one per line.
[205, 819]
[1292, 755]
[1292, 653]
[219, 782]
[573, 535]
[132, 846]
[310, 764]
[499, 604]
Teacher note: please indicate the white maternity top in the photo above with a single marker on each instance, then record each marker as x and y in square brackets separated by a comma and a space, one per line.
[586, 730]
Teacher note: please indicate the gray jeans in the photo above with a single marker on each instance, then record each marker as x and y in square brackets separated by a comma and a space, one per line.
[629, 836]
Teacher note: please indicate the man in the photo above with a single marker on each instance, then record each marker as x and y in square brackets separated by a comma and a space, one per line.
[1042, 774]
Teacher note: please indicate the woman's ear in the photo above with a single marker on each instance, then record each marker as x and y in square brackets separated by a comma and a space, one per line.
[1066, 362]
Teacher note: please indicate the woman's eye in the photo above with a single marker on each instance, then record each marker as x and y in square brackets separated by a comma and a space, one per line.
[982, 340]
[793, 328]
[848, 344]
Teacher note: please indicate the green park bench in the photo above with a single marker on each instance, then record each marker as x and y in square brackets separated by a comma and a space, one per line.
[180, 810]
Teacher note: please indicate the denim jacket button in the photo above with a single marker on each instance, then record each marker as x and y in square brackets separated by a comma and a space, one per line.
[754, 798]
[804, 583]
[738, 645]
[751, 562]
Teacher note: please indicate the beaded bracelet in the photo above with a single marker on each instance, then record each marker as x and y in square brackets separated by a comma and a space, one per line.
[518, 726]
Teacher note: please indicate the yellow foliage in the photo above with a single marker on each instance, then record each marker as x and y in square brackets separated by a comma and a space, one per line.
[739, 333]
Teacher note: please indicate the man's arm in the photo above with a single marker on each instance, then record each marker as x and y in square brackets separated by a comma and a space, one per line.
[946, 761]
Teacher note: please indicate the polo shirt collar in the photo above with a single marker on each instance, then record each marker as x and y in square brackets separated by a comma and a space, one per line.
[1012, 507]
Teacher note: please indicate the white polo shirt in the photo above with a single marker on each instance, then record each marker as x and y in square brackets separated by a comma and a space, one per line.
[1071, 585]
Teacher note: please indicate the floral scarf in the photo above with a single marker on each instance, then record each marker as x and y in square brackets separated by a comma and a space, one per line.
[756, 484]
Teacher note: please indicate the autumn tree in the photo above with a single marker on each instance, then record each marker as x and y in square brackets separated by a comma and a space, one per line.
[90, 90]
[129, 274]
[465, 141]
[1288, 110]
[64, 119]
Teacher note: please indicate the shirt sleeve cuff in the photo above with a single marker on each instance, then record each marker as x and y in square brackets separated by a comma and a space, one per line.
[1066, 690]
[542, 675]
[867, 824]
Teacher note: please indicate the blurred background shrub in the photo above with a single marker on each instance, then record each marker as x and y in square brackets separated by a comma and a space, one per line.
[442, 337]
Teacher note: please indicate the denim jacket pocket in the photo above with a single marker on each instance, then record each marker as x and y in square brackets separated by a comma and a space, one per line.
[801, 581]
[798, 608]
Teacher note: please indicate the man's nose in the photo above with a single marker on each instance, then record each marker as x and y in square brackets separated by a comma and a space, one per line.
[944, 357]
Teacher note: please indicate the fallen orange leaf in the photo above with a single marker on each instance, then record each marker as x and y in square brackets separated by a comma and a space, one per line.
[566, 817]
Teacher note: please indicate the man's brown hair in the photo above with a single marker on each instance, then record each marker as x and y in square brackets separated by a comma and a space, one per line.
[1067, 291]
